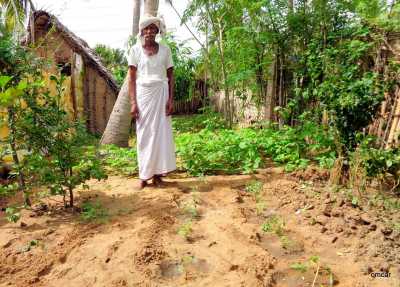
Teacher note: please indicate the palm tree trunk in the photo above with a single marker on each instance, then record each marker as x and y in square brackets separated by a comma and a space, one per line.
[151, 7]
[136, 17]
[117, 129]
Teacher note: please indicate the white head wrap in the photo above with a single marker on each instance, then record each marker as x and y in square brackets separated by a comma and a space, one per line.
[147, 20]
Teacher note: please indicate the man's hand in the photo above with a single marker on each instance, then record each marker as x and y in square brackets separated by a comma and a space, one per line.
[170, 108]
[135, 111]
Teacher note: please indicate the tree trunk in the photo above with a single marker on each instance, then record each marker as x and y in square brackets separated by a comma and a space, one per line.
[117, 129]
[271, 90]
[71, 192]
[151, 7]
[228, 108]
[290, 6]
[136, 17]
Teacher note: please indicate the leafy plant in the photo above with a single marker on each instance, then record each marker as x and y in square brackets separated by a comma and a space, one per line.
[299, 267]
[191, 209]
[255, 188]
[13, 214]
[274, 224]
[93, 212]
[185, 230]
[184, 67]
[29, 245]
[304, 266]
[245, 150]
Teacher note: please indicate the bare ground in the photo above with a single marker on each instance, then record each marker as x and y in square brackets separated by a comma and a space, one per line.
[204, 232]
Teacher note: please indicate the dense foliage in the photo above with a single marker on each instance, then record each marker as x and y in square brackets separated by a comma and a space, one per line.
[114, 60]
[305, 58]
[184, 67]
[245, 150]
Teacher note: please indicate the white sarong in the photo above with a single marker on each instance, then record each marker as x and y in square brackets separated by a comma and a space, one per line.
[155, 144]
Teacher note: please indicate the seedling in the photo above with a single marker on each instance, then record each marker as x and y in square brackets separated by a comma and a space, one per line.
[13, 214]
[304, 266]
[255, 188]
[196, 197]
[286, 242]
[187, 259]
[354, 201]
[191, 210]
[185, 230]
[260, 207]
[274, 224]
[190, 207]
[314, 259]
[29, 245]
[299, 267]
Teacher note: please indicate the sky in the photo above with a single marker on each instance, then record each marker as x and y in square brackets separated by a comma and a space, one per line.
[110, 22]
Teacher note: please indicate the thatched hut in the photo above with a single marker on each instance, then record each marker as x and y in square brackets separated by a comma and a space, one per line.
[91, 90]
[386, 125]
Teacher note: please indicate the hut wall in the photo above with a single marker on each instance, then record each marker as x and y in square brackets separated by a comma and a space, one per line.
[55, 49]
[99, 100]
[386, 126]
[87, 94]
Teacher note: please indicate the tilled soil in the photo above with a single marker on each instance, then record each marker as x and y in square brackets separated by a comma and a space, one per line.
[205, 232]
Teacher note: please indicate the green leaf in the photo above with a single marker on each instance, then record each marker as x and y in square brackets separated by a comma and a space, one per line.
[54, 78]
[4, 81]
[22, 85]
[242, 145]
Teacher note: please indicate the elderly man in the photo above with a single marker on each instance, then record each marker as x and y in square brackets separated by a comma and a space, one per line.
[151, 89]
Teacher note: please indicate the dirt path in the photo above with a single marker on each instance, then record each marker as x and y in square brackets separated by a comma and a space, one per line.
[203, 233]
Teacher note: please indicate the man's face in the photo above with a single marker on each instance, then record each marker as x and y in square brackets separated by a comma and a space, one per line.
[150, 32]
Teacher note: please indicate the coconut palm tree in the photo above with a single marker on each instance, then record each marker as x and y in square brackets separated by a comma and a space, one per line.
[151, 7]
[117, 129]
[13, 14]
[136, 17]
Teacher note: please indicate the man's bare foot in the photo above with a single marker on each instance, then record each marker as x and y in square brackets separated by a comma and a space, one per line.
[142, 184]
[157, 180]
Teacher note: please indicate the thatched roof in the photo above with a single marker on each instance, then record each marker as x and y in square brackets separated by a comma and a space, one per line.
[49, 21]
[394, 36]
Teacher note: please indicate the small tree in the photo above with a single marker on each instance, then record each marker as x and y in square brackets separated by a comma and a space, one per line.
[62, 156]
